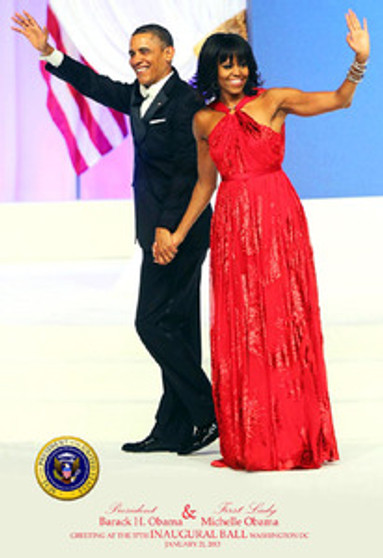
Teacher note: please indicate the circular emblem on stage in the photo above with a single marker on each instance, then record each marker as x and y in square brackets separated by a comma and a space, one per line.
[67, 468]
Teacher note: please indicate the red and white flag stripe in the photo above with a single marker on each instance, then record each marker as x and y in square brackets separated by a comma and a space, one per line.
[102, 38]
[90, 130]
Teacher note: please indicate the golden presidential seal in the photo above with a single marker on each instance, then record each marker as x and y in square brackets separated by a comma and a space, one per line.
[67, 468]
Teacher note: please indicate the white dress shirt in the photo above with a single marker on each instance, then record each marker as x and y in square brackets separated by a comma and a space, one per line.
[149, 93]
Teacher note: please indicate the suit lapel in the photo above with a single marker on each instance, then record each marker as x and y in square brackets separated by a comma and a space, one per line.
[138, 125]
[157, 103]
[141, 125]
[162, 97]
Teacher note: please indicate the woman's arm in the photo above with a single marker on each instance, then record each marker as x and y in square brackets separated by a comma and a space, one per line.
[202, 193]
[205, 186]
[293, 101]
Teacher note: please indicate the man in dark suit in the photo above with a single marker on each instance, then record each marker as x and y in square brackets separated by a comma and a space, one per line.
[161, 107]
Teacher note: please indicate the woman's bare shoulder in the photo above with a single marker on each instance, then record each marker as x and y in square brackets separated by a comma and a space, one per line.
[204, 119]
[204, 115]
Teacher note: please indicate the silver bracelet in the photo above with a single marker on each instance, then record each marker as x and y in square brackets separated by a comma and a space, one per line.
[356, 71]
[360, 66]
[354, 79]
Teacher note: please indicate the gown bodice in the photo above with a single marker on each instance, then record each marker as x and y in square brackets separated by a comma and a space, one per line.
[238, 144]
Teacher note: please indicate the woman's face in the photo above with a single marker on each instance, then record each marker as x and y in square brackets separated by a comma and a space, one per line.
[232, 76]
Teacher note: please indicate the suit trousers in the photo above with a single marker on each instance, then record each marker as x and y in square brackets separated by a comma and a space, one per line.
[168, 323]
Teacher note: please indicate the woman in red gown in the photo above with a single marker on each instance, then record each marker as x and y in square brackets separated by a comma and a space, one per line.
[268, 370]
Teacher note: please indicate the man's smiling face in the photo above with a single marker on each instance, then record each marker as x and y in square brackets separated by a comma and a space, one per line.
[150, 59]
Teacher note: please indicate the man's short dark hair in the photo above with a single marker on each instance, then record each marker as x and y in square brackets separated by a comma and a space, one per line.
[157, 30]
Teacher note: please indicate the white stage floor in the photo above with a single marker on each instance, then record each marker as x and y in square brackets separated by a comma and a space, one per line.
[71, 364]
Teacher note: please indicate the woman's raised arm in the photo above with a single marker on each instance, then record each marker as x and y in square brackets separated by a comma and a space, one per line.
[294, 101]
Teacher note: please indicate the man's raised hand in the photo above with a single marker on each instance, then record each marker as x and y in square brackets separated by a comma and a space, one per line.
[38, 37]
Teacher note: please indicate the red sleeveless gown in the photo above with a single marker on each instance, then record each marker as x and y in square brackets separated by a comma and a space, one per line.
[268, 370]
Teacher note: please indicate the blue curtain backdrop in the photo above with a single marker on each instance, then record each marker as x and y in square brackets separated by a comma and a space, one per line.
[302, 44]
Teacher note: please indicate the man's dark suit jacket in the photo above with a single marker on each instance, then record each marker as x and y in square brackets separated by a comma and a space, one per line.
[165, 168]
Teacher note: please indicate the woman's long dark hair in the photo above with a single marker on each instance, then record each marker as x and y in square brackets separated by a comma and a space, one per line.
[218, 48]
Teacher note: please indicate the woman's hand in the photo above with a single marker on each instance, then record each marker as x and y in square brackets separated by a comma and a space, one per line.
[358, 37]
[164, 251]
[165, 246]
[37, 36]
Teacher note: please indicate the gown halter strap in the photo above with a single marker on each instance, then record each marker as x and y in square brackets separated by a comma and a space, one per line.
[221, 107]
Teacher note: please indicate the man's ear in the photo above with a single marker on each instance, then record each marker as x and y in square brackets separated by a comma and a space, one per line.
[169, 53]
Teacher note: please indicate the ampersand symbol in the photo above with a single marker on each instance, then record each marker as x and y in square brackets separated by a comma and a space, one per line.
[188, 513]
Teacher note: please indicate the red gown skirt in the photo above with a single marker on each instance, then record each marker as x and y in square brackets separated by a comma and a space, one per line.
[268, 370]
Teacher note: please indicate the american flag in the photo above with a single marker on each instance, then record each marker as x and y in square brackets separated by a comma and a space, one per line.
[90, 130]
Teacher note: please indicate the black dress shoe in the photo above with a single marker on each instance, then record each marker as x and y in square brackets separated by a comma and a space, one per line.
[149, 444]
[202, 437]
